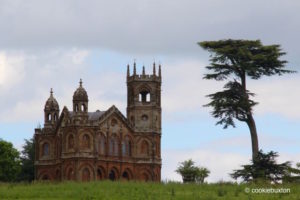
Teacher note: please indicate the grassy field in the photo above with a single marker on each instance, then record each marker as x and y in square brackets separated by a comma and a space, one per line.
[142, 191]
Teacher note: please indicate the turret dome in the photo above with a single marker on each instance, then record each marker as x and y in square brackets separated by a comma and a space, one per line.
[51, 103]
[80, 94]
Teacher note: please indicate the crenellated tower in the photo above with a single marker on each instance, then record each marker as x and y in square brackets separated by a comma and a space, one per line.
[144, 100]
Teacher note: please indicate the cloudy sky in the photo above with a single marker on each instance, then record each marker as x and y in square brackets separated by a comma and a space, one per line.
[46, 44]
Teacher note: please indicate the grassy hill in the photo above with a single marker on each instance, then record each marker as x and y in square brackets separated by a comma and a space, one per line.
[141, 191]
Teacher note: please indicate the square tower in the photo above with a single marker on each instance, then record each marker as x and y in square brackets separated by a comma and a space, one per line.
[144, 100]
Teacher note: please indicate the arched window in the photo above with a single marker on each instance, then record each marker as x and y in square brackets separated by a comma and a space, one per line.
[76, 107]
[145, 148]
[144, 96]
[70, 141]
[145, 177]
[113, 146]
[144, 117]
[83, 107]
[132, 120]
[113, 122]
[49, 117]
[126, 146]
[55, 117]
[46, 150]
[101, 145]
[86, 141]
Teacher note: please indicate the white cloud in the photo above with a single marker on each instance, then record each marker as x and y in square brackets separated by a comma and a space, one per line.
[278, 95]
[11, 69]
[184, 88]
[27, 77]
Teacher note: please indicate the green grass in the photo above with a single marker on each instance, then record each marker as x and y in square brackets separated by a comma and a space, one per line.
[140, 191]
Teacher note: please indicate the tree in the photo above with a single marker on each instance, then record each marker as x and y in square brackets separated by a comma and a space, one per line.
[292, 175]
[264, 167]
[234, 61]
[27, 161]
[202, 174]
[9, 162]
[192, 173]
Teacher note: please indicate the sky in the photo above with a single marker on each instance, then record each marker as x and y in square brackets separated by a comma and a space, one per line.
[52, 44]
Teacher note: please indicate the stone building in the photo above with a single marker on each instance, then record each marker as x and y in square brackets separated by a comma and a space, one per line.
[81, 145]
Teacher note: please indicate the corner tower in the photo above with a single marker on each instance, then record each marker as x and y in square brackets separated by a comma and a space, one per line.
[144, 100]
[80, 100]
[51, 111]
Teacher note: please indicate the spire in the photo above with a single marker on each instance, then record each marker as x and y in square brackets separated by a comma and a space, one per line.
[159, 70]
[144, 71]
[80, 83]
[154, 70]
[51, 92]
[128, 70]
[134, 68]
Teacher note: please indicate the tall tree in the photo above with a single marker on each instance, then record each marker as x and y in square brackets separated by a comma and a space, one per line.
[9, 162]
[234, 61]
[27, 161]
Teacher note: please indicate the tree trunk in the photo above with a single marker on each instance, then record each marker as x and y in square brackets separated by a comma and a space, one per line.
[250, 122]
[254, 138]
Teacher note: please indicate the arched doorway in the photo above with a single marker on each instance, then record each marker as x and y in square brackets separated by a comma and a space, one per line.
[45, 177]
[125, 176]
[57, 175]
[146, 176]
[112, 175]
[100, 173]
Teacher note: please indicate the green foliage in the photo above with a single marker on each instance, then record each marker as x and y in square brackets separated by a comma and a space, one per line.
[235, 60]
[293, 174]
[27, 161]
[231, 103]
[202, 173]
[9, 162]
[237, 57]
[192, 173]
[263, 168]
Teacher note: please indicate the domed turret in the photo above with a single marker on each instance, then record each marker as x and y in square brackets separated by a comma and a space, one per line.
[80, 100]
[51, 110]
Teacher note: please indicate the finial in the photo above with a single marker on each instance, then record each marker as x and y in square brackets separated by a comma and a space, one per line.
[128, 70]
[51, 92]
[80, 83]
[144, 70]
[134, 68]
[159, 70]
[154, 70]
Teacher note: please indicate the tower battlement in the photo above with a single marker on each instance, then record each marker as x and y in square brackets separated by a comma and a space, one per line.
[155, 76]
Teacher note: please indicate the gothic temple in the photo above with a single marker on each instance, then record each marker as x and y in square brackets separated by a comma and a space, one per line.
[81, 145]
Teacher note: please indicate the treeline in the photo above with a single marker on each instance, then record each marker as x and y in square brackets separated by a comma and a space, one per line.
[264, 168]
[16, 166]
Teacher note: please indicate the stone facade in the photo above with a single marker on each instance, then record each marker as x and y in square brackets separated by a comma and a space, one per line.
[80, 145]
